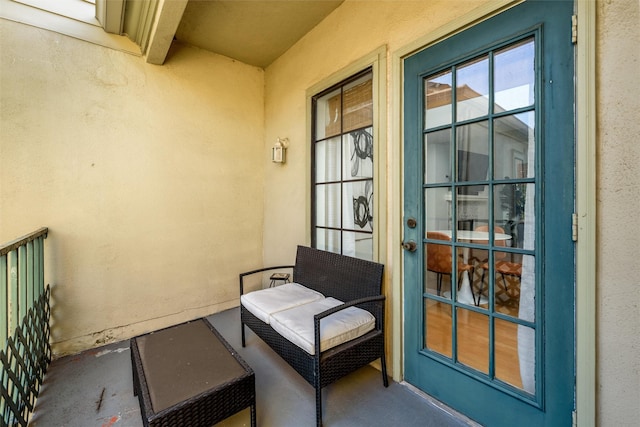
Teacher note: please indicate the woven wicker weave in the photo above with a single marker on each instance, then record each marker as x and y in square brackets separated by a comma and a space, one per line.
[355, 281]
[203, 409]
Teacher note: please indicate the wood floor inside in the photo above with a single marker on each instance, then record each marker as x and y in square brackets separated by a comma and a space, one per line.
[473, 332]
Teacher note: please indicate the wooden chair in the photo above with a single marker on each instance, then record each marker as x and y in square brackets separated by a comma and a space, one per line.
[440, 260]
[503, 266]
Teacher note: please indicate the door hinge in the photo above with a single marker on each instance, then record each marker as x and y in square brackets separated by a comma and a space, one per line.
[574, 227]
[574, 29]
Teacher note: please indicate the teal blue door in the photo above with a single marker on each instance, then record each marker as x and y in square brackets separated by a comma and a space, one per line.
[488, 202]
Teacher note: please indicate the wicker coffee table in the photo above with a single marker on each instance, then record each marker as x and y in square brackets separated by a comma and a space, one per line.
[188, 375]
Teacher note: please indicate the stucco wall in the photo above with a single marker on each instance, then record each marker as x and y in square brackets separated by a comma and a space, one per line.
[618, 277]
[357, 28]
[149, 178]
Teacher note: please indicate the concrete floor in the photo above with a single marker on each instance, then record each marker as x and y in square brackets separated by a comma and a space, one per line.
[94, 389]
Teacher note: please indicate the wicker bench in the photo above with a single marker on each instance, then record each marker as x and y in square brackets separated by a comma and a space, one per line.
[355, 282]
[188, 375]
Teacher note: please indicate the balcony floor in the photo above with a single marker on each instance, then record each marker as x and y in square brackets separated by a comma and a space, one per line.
[94, 388]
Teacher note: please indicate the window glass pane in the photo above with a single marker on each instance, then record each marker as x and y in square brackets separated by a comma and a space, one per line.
[328, 240]
[328, 205]
[328, 115]
[437, 100]
[514, 146]
[438, 327]
[343, 173]
[514, 76]
[358, 205]
[359, 245]
[437, 156]
[358, 104]
[472, 89]
[328, 160]
[438, 208]
[473, 339]
[358, 154]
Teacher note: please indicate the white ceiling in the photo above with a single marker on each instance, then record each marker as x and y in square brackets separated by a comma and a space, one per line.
[255, 32]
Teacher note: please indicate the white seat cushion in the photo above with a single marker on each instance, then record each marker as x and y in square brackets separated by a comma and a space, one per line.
[265, 302]
[296, 324]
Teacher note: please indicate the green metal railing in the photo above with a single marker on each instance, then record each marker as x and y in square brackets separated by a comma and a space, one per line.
[24, 326]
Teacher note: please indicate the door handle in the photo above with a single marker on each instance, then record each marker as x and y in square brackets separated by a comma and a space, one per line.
[410, 246]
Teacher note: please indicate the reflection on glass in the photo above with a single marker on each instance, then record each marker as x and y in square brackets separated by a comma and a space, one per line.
[514, 76]
[358, 154]
[328, 115]
[359, 245]
[328, 160]
[328, 240]
[358, 205]
[471, 209]
[473, 339]
[438, 327]
[472, 146]
[437, 100]
[438, 262]
[328, 205]
[437, 156]
[507, 360]
[514, 146]
[438, 208]
[514, 211]
[472, 89]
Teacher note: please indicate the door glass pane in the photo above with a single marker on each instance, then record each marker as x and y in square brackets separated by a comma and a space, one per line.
[437, 96]
[472, 210]
[514, 74]
[358, 154]
[438, 208]
[328, 205]
[514, 146]
[508, 273]
[472, 89]
[438, 334]
[437, 156]
[514, 214]
[473, 339]
[438, 262]
[328, 160]
[472, 162]
[512, 359]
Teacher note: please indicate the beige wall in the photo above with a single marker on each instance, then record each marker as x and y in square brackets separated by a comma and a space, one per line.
[618, 182]
[136, 170]
[358, 28]
[150, 179]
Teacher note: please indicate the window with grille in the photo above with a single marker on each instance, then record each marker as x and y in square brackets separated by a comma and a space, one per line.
[342, 168]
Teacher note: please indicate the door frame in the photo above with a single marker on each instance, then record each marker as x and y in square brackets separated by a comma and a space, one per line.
[585, 204]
